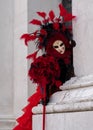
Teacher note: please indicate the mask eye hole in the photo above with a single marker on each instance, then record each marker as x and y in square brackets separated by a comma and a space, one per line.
[62, 44]
[55, 46]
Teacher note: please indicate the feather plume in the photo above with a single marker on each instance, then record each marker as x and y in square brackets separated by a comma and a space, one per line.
[56, 26]
[43, 32]
[32, 37]
[42, 14]
[58, 20]
[46, 21]
[62, 10]
[35, 33]
[51, 15]
[68, 17]
[32, 56]
[36, 22]
[26, 38]
[40, 40]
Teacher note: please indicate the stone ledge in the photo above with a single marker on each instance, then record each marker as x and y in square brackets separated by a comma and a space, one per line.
[76, 95]
[78, 82]
[7, 122]
[70, 107]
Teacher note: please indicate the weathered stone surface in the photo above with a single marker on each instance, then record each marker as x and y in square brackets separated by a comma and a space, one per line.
[76, 95]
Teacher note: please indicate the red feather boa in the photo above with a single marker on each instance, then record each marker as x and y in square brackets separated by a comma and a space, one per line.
[44, 68]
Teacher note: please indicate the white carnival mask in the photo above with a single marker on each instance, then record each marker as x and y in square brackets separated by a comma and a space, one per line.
[59, 46]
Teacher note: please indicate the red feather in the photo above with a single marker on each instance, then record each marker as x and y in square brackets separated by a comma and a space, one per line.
[26, 37]
[57, 19]
[32, 37]
[40, 40]
[43, 32]
[68, 17]
[42, 70]
[45, 21]
[51, 15]
[35, 33]
[36, 22]
[63, 11]
[32, 56]
[56, 26]
[42, 14]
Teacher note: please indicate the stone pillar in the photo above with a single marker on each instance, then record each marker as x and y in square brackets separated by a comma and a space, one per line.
[83, 30]
[20, 53]
[13, 76]
[6, 64]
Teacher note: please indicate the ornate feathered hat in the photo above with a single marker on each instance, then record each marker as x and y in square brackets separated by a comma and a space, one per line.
[50, 26]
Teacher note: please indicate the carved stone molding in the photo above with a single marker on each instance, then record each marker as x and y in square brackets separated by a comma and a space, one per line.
[7, 122]
[76, 95]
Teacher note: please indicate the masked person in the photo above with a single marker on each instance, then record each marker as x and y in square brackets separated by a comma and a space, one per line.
[55, 66]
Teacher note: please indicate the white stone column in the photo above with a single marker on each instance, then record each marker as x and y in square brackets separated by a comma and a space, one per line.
[83, 30]
[20, 53]
[13, 64]
[6, 64]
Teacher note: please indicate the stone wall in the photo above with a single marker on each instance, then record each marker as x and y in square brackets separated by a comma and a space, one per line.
[6, 64]
[83, 30]
[13, 65]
